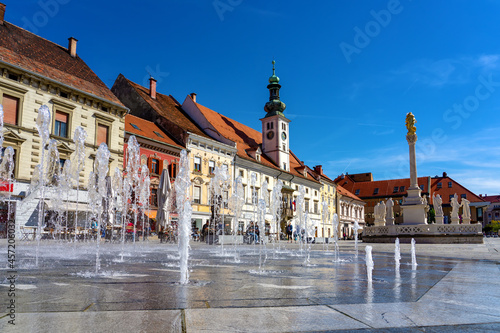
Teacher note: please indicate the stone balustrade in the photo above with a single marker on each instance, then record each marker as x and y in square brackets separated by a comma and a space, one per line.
[423, 229]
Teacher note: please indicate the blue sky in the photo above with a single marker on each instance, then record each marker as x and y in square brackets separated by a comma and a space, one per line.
[350, 71]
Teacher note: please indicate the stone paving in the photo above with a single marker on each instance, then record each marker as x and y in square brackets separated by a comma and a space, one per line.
[454, 288]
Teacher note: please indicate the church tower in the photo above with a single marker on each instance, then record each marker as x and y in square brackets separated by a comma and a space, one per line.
[275, 140]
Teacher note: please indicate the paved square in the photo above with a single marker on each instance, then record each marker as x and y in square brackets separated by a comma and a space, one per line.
[455, 287]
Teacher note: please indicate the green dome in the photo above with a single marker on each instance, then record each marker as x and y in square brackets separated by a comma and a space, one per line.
[274, 79]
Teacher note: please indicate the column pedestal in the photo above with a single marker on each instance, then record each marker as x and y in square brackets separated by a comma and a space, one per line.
[439, 219]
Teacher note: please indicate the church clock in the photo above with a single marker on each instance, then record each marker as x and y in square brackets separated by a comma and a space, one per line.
[270, 135]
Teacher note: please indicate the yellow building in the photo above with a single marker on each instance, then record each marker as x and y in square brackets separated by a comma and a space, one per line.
[36, 72]
[328, 194]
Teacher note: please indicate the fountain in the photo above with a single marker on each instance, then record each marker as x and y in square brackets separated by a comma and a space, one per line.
[182, 185]
[369, 262]
[413, 255]
[300, 214]
[78, 165]
[42, 124]
[324, 218]
[335, 235]
[356, 228]
[144, 188]
[236, 204]
[275, 209]
[397, 254]
[133, 177]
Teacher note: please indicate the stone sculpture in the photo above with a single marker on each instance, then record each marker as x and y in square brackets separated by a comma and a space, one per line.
[454, 209]
[390, 211]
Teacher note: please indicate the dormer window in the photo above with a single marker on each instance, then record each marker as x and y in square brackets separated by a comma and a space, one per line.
[375, 191]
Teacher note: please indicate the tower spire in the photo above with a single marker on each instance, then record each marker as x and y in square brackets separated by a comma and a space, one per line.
[274, 106]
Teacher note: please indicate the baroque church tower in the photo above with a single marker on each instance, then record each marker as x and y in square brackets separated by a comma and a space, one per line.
[275, 140]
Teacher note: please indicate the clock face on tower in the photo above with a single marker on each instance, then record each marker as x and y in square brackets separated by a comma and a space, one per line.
[270, 135]
[283, 135]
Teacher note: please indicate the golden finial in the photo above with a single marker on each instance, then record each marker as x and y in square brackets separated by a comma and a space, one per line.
[273, 67]
[410, 123]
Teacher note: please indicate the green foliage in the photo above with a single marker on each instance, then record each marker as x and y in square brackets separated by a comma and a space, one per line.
[494, 226]
[431, 216]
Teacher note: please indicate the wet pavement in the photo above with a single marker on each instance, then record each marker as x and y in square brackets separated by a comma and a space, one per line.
[454, 288]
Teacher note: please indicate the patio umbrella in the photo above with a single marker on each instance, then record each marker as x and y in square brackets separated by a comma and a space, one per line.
[162, 197]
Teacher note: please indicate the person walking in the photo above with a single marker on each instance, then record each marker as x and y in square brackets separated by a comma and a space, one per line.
[289, 232]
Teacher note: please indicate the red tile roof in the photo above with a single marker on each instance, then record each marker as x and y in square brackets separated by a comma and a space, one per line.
[245, 138]
[147, 129]
[168, 108]
[24, 49]
[446, 191]
[491, 198]
[386, 188]
[346, 193]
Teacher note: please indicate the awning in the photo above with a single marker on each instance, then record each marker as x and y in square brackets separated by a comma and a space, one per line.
[151, 214]
[70, 206]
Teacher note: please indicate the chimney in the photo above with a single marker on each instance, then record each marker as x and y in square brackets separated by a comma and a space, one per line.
[72, 46]
[318, 169]
[152, 88]
[2, 12]
[193, 97]
[445, 175]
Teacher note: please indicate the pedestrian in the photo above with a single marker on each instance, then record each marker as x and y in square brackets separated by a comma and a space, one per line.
[289, 232]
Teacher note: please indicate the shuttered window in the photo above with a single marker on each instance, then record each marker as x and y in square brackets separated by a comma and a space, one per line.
[61, 124]
[10, 109]
[102, 134]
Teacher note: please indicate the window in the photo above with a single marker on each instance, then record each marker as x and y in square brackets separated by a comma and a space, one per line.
[401, 189]
[172, 170]
[451, 197]
[61, 162]
[450, 184]
[61, 124]
[225, 197]
[307, 191]
[284, 166]
[102, 134]
[356, 192]
[284, 147]
[439, 185]
[13, 77]
[422, 187]
[463, 196]
[211, 167]
[10, 109]
[197, 164]
[196, 194]
[63, 94]
[315, 207]
[306, 205]
[158, 134]
[242, 173]
[315, 193]
[155, 166]
[296, 187]
[283, 126]
[154, 197]
[267, 180]
[395, 189]
[135, 126]
[375, 191]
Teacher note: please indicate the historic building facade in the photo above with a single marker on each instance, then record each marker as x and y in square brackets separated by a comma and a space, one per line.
[263, 157]
[328, 196]
[157, 150]
[36, 72]
[373, 192]
[204, 152]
